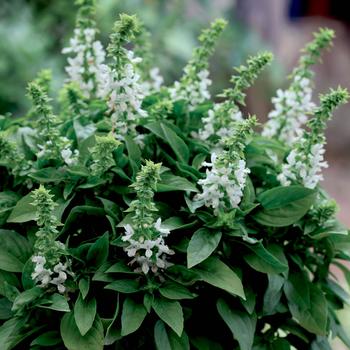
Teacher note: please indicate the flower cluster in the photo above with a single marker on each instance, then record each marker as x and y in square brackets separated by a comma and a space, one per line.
[44, 276]
[48, 268]
[305, 162]
[222, 118]
[292, 107]
[12, 157]
[222, 188]
[148, 253]
[126, 89]
[102, 154]
[193, 86]
[145, 237]
[87, 68]
[51, 144]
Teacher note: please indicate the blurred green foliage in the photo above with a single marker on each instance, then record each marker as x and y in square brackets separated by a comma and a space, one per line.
[33, 32]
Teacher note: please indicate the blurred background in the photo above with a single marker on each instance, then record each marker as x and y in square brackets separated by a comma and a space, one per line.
[33, 33]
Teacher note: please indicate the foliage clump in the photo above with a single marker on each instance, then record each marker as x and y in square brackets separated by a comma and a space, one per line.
[141, 216]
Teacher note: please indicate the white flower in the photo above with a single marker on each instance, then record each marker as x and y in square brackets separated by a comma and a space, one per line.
[41, 274]
[69, 157]
[291, 108]
[163, 231]
[223, 186]
[154, 83]
[59, 281]
[219, 123]
[195, 91]
[149, 254]
[305, 168]
[87, 66]
[125, 99]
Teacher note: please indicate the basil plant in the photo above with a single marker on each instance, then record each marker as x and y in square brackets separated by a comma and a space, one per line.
[142, 216]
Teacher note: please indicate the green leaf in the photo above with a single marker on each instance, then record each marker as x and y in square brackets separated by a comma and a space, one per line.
[8, 200]
[263, 261]
[133, 315]
[171, 313]
[14, 251]
[177, 144]
[175, 291]
[201, 246]
[84, 314]
[27, 297]
[5, 309]
[133, 149]
[280, 344]
[73, 340]
[218, 274]
[56, 302]
[273, 293]
[110, 207]
[307, 303]
[283, 206]
[170, 182]
[9, 330]
[84, 285]
[98, 252]
[168, 135]
[47, 175]
[124, 286]
[50, 338]
[176, 223]
[79, 213]
[134, 153]
[113, 333]
[120, 267]
[167, 339]
[241, 324]
[203, 343]
[23, 211]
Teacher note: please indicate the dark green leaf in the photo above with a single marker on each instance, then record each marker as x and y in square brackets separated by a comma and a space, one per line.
[202, 245]
[283, 206]
[175, 291]
[98, 252]
[48, 175]
[168, 135]
[84, 314]
[124, 286]
[171, 313]
[170, 182]
[273, 293]
[57, 302]
[14, 251]
[263, 261]
[218, 274]
[50, 338]
[26, 297]
[307, 304]
[167, 339]
[23, 211]
[113, 333]
[8, 332]
[73, 340]
[133, 315]
[241, 324]
[84, 285]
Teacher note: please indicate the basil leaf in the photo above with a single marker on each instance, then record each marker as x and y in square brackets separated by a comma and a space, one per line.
[202, 245]
[284, 206]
